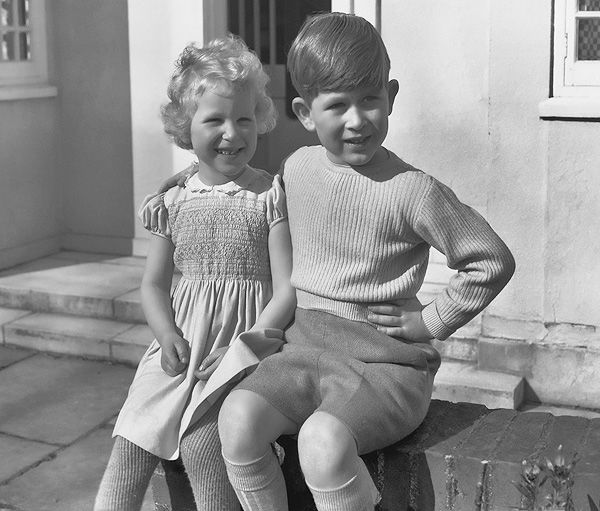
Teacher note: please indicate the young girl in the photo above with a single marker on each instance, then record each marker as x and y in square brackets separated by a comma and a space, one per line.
[228, 235]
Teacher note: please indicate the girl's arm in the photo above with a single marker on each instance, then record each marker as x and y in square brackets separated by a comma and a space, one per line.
[280, 309]
[156, 302]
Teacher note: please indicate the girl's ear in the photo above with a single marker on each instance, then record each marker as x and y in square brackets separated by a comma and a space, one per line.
[302, 111]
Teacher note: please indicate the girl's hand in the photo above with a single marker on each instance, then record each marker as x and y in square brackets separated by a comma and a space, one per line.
[210, 363]
[400, 319]
[175, 354]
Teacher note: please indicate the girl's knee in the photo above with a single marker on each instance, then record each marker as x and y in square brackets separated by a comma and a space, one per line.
[327, 449]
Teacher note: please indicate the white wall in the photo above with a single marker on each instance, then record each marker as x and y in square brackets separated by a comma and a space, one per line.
[94, 128]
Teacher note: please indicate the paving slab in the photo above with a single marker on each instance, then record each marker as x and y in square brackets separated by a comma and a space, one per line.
[17, 454]
[10, 355]
[66, 482]
[57, 400]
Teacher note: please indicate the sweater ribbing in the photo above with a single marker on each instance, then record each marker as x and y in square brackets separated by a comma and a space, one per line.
[364, 237]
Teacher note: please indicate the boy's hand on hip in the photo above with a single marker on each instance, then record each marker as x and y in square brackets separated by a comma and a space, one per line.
[401, 318]
[210, 363]
[175, 355]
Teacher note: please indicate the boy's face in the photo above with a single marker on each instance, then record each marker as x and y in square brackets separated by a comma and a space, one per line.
[351, 125]
[223, 133]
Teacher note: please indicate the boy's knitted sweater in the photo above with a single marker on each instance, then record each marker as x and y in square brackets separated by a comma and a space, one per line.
[362, 235]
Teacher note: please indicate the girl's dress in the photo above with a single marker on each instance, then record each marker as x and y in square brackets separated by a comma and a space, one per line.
[220, 234]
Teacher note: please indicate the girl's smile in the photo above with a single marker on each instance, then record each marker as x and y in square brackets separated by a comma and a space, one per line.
[224, 133]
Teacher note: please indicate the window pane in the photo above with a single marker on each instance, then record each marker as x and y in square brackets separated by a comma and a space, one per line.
[23, 11]
[589, 5]
[8, 46]
[588, 39]
[24, 46]
[6, 12]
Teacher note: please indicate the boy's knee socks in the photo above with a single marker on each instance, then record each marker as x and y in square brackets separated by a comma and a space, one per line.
[259, 484]
[357, 494]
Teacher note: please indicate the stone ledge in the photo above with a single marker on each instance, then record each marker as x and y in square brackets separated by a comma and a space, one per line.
[446, 452]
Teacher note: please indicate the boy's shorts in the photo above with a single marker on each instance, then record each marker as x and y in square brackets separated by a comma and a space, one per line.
[378, 386]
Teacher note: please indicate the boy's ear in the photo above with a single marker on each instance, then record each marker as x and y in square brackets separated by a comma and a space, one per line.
[302, 111]
[393, 88]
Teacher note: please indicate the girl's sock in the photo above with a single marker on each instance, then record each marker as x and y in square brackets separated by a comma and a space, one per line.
[259, 484]
[126, 478]
[201, 456]
[357, 494]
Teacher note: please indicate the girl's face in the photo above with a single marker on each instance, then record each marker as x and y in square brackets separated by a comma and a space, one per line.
[224, 134]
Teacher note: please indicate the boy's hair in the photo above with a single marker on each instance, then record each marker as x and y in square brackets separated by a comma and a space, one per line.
[337, 52]
[224, 63]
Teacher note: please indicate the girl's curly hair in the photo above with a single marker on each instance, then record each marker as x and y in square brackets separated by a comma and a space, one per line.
[225, 62]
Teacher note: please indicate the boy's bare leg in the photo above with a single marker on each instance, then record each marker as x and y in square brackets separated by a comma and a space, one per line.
[334, 472]
[248, 425]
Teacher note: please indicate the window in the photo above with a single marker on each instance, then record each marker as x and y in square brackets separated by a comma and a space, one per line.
[577, 48]
[23, 60]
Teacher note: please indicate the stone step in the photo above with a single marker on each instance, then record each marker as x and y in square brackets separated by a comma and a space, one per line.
[463, 382]
[75, 283]
[104, 339]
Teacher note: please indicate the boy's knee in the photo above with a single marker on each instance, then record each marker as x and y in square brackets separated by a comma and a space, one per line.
[326, 448]
[236, 422]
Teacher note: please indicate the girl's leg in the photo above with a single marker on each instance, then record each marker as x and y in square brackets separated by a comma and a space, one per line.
[126, 478]
[248, 425]
[201, 454]
[335, 474]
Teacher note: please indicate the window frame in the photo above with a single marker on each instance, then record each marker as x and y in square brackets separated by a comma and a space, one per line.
[29, 79]
[572, 78]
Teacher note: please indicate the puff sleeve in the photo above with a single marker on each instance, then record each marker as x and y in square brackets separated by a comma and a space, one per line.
[276, 205]
[153, 208]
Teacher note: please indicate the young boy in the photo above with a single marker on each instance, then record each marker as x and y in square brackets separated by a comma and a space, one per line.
[362, 222]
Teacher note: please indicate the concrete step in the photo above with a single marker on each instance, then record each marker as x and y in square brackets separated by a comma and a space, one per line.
[103, 339]
[463, 382]
[91, 285]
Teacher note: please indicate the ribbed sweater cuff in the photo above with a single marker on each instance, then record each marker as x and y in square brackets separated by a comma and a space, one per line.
[434, 323]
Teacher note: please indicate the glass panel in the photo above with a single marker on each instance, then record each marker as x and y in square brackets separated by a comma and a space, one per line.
[24, 46]
[588, 39]
[6, 12]
[23, 12]
[8, 46]
[589, 5]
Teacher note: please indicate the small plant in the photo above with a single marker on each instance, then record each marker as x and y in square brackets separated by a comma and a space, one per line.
[593, 506]
[559, 475]
[529, 485]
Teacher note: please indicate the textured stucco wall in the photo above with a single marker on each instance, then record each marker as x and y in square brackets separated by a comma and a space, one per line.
[572, 245]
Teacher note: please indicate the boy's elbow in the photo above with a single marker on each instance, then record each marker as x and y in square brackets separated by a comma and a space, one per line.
[506, 267]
